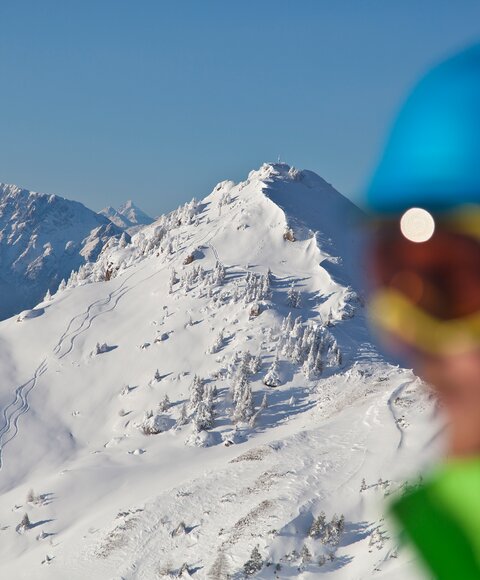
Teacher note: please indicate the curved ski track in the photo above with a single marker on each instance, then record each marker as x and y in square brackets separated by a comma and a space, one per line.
[18, 407]
[82, 322]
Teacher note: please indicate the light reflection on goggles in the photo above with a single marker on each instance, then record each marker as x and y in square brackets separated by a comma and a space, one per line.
[427, 279]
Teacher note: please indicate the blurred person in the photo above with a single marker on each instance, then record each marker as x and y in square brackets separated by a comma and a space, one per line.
[424, 265]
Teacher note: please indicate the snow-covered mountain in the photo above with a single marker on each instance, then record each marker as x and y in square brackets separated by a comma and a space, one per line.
[42, 239]
[128, 216]
[206, 402]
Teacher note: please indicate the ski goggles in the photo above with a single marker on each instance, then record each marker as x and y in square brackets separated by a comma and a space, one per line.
[425, 273]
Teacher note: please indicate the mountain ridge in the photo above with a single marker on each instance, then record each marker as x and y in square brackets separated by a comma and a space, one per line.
[42, 239]
[204, 390]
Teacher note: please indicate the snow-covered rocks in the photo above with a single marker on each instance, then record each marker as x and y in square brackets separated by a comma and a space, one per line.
[202, 439]
[153, 424]
[29, 314]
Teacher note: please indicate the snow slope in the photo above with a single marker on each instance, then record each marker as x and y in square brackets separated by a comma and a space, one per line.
[42, 239]
[190, 296]
[128, 217]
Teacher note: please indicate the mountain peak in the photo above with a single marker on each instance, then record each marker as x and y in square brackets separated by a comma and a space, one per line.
[231, 324]
[128, 216]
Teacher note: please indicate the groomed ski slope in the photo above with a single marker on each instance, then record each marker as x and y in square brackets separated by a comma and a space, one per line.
[109, 499]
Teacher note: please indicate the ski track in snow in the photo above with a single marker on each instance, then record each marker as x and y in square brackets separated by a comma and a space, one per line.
[18, 407]
[396, 393]
[87, 319]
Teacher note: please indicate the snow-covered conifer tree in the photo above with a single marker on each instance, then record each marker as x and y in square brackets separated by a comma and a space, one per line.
[318, 526]
[244, 408]
[24, 524]
[293, 297]
[287, 324]
[254, 564]
[272, 378]
[203, 417]
[196, 392]
[183, 419]
[305, 555]
[264, 403]
[217, 345]
[165, 404]
[255, 364]
[220, 569]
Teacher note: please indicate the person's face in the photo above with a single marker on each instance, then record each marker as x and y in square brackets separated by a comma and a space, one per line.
[456, 381]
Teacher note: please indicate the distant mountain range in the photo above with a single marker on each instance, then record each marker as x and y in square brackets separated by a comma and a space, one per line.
[128, 216]
[43, 238]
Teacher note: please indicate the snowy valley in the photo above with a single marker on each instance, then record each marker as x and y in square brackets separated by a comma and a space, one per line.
[205, 400]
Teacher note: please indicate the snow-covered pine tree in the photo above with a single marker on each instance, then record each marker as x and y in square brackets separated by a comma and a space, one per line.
[308, 367]
[196, 392]
[333, 531]
[318, 526]
[100, 348]
[264, 403]
[297, 329]
[305, 555]
[244, 368]
[165, 404]
[287, 324]
[272, 378]
[203, 416]
[220, 569]
[244, 408]
[288, 347]
[254, 564]
[293, 297]
[183, 418]
[217, 345]
[24, 524]
[184, 571]
[255, 364]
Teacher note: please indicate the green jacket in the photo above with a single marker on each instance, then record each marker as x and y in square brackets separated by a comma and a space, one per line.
[442, 519]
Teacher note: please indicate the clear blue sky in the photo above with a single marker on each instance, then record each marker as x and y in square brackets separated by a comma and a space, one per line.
[105, 100]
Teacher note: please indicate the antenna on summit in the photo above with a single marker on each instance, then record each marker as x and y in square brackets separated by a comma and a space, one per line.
[279, 159]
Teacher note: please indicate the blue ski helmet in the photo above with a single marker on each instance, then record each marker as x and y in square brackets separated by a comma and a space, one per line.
[432, 158]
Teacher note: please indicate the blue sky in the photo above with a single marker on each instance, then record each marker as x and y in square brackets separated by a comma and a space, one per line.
[105, 100]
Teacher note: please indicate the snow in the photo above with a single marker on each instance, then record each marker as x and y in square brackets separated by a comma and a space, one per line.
[120, 471]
